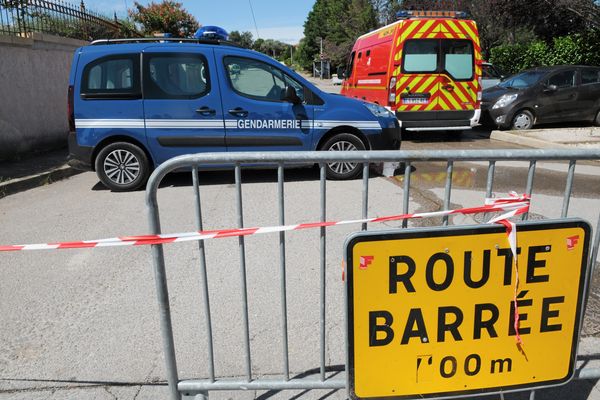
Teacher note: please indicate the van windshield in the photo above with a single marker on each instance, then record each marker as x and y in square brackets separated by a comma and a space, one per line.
[452, 56]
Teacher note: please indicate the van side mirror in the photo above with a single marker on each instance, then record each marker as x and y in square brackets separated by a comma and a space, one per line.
[341, 72]
[291, 95]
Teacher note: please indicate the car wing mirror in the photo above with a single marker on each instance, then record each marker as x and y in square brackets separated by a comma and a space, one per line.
[291, 95]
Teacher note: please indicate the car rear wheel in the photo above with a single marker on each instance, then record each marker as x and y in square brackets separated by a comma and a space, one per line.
[343, 170]
[522, 120]
[122, 166]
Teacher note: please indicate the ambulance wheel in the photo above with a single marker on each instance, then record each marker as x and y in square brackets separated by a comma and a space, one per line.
[343, 170]
[522, 120]
[122, 166]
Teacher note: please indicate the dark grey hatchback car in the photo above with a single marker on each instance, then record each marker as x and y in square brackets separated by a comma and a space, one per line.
[544, 95]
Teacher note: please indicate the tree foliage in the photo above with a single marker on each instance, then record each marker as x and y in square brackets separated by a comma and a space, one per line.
[167, 16]
[338, 23]
[244, 39]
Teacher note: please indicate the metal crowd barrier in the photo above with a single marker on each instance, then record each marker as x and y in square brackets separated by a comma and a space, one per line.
[200, 388]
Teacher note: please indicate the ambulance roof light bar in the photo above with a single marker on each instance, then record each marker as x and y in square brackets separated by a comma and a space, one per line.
[406, 14]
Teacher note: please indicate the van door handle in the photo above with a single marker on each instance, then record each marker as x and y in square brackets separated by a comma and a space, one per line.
[206, 111]
[239, 112]
[448, 87]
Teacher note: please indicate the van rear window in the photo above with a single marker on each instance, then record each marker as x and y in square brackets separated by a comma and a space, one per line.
[452, 56]
[421, 55]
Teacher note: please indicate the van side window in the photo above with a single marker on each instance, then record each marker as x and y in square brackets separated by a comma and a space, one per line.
[351, 64]
[421, 55]
[113, 77]
[258, 80]
[175, 76]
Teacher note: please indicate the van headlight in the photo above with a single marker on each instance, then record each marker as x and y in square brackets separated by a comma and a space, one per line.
[505, 100]
[378, 110]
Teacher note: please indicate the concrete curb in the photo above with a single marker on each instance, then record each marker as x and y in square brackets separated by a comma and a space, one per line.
[29, 182]
[526, 141]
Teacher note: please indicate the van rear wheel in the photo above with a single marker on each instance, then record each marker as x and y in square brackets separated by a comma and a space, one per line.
[341, 170]
[122, 166]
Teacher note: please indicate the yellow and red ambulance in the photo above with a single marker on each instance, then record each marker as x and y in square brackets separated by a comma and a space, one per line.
[426, 67]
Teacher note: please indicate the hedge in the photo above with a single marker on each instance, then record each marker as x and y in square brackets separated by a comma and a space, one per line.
[580, 49]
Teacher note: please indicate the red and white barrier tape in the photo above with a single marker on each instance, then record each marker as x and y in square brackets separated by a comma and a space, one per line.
[513, 205]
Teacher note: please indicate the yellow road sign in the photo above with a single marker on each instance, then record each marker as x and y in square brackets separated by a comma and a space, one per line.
[431, 311]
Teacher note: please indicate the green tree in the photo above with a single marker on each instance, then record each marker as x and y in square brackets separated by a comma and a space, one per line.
[167, 16]
[338, 23]
[244, 39]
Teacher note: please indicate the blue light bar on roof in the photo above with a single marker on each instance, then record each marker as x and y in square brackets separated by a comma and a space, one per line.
[211, 32]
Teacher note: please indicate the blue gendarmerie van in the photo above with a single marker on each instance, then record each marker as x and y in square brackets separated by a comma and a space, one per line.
[135, 103]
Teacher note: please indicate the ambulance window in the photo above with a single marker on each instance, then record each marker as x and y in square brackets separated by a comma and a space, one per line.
[111, 77]
[351, 64]
[420, 55]
[255, 79]
[175, 76]
[458, 58]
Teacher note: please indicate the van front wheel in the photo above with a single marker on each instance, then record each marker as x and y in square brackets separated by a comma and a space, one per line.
[340, 170]
[122, 166]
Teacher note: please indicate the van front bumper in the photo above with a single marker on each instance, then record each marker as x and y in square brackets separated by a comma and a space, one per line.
[80, 157]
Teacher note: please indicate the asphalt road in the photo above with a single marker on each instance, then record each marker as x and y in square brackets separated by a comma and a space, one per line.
[84, 323]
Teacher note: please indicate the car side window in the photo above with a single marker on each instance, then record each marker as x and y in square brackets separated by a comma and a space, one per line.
[175, 76]
[562, 80]
[590, 76]
[259, 80]
[113, 77]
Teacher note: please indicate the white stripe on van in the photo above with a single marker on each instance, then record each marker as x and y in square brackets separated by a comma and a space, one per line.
[208, 123]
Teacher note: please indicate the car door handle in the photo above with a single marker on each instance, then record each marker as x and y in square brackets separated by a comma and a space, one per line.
[239, 112]
[206, 111]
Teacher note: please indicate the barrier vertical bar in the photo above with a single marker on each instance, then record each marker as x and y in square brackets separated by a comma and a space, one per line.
[406, 194]
[490, 179]
[568, 189]
[323, 242]
[162, 293]
[240, 218]
[282, 266]
[449, 171]
[529, 188]
[365, 194]
[204, 276]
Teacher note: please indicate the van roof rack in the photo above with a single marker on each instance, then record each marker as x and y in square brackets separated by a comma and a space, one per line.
[164, 39]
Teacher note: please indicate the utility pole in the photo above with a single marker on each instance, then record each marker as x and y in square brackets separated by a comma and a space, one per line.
[321, 57]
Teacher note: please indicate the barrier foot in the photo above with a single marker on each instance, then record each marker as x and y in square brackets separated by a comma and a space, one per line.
[196, 396]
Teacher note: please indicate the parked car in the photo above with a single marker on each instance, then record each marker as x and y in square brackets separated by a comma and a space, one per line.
[490, 75]
[133, 104]
[544, 95]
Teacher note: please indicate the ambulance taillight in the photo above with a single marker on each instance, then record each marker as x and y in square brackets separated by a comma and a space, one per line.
[392, 91]
[479, 90]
